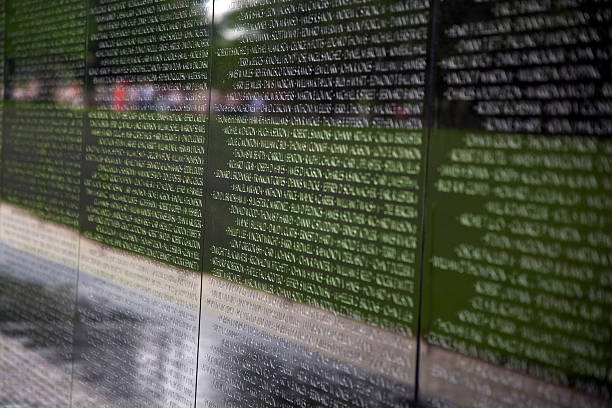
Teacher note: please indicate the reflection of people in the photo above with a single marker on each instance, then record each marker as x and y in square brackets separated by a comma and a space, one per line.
[256, 105]
[69, 95]
[30, 92]
[399, 112]
[147, 97]
[120, 96]
[175, 100]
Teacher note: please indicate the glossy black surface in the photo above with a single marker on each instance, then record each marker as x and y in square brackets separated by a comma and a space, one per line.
[136, 331]
[44, 90]
[261, 350]
[520, 188]
[39, 272]
[306, 203]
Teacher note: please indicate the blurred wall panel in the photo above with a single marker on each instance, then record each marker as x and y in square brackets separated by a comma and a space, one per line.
[518, 265]
[44, 61]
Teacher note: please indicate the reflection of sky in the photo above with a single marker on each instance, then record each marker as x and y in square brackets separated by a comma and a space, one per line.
[222, 9]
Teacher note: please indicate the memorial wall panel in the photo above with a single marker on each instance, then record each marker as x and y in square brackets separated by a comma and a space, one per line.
[43, 118]
[141, 212]
[316, 153]
[316, 159]
[41, 139]
[519, 211]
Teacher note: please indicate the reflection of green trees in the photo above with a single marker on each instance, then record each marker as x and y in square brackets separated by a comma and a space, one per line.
[42, 162]
[504, 277]
[45, 42]
[363, 289]
[231, 52]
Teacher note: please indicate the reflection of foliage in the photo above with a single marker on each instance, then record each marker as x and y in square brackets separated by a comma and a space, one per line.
[42, 166]
[282, 52]
[504, 307]
[44, 45]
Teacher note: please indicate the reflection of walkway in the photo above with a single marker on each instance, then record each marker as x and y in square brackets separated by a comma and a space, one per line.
[469, 382]
[136, 339]
[136, 349]
[36, 311]
[28, 379]
[242, 365]
[36, 333]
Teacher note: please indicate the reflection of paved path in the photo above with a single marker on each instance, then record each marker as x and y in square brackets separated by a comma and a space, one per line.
[132, 346]
[469, 382]
[137, 334]
[46, 383]
[44, 379]
[378, 351]
[37, 292]
[135, 346]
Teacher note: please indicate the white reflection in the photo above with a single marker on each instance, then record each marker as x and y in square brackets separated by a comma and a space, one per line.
[222, 7]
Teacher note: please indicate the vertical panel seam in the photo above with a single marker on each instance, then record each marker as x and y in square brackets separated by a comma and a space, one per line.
[81, 196]
[430, 108]
[204, 193]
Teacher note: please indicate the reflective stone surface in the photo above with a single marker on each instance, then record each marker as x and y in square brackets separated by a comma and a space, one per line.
[261, 350]
[334, 203]
[38, 268]
[520, 188]
[136, 330]
[43, 130]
